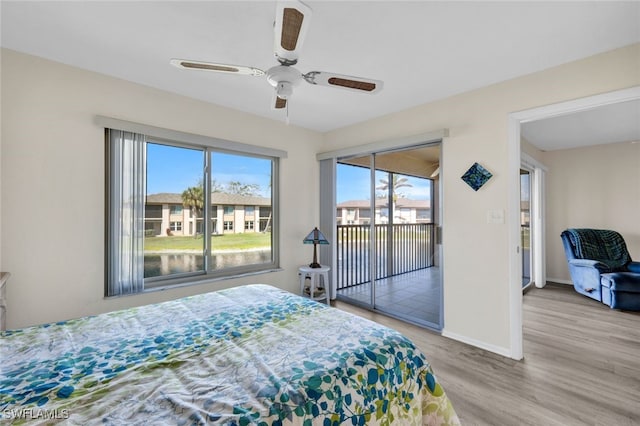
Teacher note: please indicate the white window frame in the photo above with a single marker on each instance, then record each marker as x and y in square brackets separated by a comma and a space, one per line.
[209, 145]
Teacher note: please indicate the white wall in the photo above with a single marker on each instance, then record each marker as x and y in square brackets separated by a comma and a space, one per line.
[592, 187]
[53, 176]
[476, 267]
[52, 183]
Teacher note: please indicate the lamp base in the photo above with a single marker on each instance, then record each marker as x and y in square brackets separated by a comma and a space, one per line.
[315, 265]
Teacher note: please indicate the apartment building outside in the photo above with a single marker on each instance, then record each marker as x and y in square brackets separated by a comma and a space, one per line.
[358, 212]
[165, 215]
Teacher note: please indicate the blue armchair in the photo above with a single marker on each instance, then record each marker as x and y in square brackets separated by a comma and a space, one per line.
[601, 267]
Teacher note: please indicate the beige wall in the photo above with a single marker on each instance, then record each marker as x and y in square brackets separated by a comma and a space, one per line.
[531, 150]
[594, 187]
[476, 267]
[53, 177]
[53, 181]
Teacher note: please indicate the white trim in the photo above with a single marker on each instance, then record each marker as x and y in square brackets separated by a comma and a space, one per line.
[477, 343]
[514, 248]
[576, 105]
[533, 201]
[539, 222]
[441, 224]
[174, 135]
[515, 120]
[537, 201]
[385, 145]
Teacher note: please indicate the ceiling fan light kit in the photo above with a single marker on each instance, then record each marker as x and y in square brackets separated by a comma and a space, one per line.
[290, 27]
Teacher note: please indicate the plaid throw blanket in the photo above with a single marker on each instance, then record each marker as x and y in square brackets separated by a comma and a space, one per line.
[605, 246]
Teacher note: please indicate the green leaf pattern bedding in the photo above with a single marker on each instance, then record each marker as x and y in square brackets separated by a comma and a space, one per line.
[251, 355]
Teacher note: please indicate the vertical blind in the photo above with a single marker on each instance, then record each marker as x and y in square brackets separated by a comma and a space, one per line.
[126, 152]
[328, 216]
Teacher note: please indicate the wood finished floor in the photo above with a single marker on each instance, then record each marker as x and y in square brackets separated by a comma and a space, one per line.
[581, 365]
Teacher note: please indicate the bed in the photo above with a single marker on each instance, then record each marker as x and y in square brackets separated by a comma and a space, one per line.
[250, 355]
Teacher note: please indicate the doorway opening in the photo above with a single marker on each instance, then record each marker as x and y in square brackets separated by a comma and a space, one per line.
[516, 156]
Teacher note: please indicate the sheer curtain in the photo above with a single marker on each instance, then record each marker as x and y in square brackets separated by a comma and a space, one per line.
[126, 152]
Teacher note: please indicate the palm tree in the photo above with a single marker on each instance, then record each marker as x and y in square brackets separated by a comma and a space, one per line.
[396, 183]
[193, 198]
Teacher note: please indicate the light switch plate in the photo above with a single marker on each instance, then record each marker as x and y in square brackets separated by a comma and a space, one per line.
[495, 216]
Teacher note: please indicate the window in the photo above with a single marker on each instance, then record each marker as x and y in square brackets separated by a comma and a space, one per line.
[153, 211]
[249, 210]
[145, 248]
[248, 225]
[423, 214]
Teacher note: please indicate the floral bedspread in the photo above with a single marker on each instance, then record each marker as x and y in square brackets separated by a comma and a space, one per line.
[252, 355]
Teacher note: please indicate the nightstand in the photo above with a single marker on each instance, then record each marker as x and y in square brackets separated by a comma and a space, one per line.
[4, 276]
[314, 275]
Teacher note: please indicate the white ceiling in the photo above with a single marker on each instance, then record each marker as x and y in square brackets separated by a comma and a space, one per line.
[423, 51]
[613, 123]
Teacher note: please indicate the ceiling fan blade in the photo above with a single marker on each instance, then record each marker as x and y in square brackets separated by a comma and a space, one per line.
[280, 103]
[211, 66]
[292, 22]
[359, 84]
[277, 102]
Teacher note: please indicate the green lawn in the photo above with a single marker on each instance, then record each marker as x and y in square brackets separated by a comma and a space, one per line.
[230, 242]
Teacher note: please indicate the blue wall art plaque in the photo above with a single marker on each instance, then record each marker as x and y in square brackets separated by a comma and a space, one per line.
[476, 176]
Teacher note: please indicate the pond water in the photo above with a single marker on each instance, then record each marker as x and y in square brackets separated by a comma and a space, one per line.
[156, 265]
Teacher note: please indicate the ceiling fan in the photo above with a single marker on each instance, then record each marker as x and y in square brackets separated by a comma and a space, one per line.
[290, 27]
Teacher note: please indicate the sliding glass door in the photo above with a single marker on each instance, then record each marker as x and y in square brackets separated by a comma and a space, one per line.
[354, 219]
[386, 225]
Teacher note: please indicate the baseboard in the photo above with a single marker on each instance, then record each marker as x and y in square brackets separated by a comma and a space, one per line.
[478, 344]
[559, 281]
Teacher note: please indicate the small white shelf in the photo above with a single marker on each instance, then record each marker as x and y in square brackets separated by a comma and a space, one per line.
[314, 275]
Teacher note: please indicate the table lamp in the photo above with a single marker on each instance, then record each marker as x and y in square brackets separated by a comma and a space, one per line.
[315, 237]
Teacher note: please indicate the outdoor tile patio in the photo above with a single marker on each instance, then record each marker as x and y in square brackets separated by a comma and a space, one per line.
[413, 296]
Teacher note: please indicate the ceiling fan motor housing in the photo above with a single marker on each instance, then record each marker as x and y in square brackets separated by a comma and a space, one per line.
[283, 78]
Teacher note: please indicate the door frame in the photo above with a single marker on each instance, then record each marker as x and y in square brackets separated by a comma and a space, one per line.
[328, 161]
[524, 166]
[515, 120]
[538, 243]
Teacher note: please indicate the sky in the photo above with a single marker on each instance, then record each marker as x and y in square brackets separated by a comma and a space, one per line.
[173, 169]
[354, 183]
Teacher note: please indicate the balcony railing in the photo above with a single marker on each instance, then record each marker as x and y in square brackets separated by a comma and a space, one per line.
[399, 248]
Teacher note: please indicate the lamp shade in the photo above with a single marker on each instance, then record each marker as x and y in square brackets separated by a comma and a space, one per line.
[315, 237]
